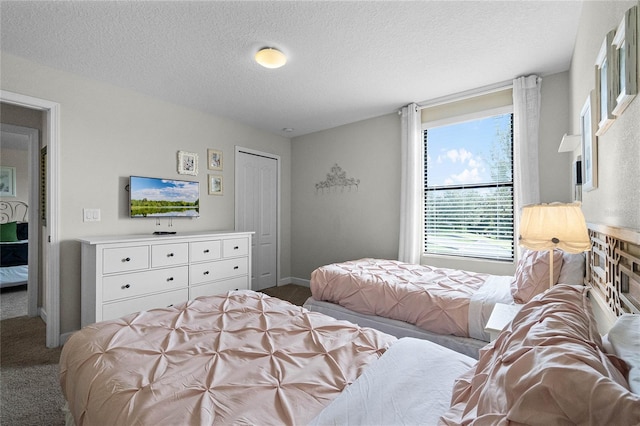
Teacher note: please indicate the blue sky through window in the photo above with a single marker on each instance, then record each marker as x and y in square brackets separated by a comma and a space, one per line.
[460, 153]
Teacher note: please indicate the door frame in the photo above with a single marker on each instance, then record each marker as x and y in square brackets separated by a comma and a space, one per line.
[239, 150]
[51, 273]
[33, 150]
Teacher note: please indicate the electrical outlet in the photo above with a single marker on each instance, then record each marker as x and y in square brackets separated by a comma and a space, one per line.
[91, 215]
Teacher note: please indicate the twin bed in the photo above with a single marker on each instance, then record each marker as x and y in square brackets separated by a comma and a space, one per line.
[247, 358]
[14, 244]
[447, 306]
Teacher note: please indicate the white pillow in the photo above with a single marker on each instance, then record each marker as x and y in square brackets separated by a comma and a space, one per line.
[572, 271]
[624, 338]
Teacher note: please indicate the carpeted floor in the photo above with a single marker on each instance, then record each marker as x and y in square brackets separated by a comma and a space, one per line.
[13, 302]
[29, 374]
[295, 294]
[29, 370]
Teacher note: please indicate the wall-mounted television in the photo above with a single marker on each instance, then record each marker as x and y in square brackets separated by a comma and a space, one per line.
[156, 197]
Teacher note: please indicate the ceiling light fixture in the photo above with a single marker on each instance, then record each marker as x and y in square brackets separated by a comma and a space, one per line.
[270, 57]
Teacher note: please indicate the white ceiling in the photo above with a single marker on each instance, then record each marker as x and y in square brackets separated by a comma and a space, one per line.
[348, 60]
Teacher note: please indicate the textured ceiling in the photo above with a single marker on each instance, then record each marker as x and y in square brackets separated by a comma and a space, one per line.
[348, 61]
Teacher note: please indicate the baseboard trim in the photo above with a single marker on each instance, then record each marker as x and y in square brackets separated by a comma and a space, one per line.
[296, 281]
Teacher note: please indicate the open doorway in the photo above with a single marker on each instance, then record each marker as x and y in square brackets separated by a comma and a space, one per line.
[50, 254]
[19, 213]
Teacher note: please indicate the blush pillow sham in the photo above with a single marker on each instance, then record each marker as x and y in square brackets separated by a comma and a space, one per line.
[532, 274]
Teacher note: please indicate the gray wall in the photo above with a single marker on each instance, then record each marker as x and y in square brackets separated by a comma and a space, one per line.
[106, 135]
[340, 226]
[616, 200]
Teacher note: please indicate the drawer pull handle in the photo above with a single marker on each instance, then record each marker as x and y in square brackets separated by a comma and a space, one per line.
[170, 306]
[126, 286]
[170, 279]
[236, 248]
[206, 251]
[170, 255]
[205, 273]
[235, 267]
[126, 259]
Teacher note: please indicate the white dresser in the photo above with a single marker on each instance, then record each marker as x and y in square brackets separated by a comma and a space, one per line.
[125, 274]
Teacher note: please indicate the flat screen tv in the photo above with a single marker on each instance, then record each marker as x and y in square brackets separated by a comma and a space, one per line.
[156, 197]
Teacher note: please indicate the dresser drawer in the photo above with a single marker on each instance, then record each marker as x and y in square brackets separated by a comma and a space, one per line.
[235, 247]
[220, 287]
[169, 254]
[125, 259]
[204, 250]
[125, 307]
[140, 283]
[213, 271]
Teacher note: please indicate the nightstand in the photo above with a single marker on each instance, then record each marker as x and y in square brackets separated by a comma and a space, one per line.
[501, 315]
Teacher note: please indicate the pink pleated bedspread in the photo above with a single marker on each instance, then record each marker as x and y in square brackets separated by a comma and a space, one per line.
[434, 299]
[241, 358]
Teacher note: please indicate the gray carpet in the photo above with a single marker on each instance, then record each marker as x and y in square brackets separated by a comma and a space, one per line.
[30, 392]
[13, 302]
[292, 293]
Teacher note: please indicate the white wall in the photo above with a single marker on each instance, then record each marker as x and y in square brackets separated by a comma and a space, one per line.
[616, 200]
[19, 159]
[106, 135]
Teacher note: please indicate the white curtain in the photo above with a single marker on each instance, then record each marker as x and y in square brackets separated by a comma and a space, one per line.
[526, 118]
[410, 185]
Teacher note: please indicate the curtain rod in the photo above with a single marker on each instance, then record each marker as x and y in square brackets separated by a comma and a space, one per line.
[466, 94]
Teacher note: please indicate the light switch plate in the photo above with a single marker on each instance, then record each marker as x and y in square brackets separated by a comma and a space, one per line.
[91, 215]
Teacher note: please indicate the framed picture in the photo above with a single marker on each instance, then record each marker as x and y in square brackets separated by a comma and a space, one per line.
[215, 185]
[187, 163]
[7, 181]
[589, 144]
[625, 54]
[214, 159]
[605, 84]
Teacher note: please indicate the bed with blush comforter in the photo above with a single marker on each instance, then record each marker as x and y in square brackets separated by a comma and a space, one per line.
[240, 358]
[448, 306]
[247, 358]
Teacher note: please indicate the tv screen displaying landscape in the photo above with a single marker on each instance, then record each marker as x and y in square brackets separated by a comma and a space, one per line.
[155, 197]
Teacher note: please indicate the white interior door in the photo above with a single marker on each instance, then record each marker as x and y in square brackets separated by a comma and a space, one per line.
[256, 192]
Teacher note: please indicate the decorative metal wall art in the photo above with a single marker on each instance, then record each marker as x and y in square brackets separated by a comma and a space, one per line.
[337, 178]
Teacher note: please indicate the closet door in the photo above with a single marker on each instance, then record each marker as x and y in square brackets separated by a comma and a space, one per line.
[256, 192]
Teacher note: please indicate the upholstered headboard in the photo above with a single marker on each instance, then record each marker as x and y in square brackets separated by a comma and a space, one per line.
[13, 211]
[613, 270]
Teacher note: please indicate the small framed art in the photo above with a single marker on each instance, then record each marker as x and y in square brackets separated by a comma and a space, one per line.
[187, 163]
[7, 181]
[215, 185]
[214, 159]
[625, 54]
[606, 81]
[589, 144]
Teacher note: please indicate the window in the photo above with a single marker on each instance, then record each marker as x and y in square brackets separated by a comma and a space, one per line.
[468, 183]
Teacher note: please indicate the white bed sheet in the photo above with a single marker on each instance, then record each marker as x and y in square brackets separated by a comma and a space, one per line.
[410, 384]
[497, 289]
[14, 275]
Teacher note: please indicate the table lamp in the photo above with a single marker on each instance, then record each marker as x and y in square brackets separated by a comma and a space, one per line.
[555, 225]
